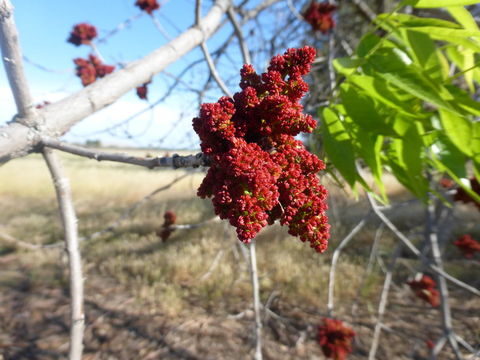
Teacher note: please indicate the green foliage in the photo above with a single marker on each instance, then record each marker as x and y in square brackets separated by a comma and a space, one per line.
[405, 101]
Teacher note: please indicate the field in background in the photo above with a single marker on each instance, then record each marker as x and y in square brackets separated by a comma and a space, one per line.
[190, 297]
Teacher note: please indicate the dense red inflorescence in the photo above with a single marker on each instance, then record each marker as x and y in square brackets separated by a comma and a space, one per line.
[82, 34]
[148, 5]
[166, 230]
[259, 173]
[319, 16]
[142, 91]
[463, 196]
[425, 289]
[88, 70]
[467, 245]
[335, 339]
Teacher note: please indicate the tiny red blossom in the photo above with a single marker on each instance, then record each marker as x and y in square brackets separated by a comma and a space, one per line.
[319, 16]
[425, 289]
[463, 196]
[259, 173]
[142, 91]
[467, 245]
[166, 230]
[148, 5]
[88, 70]
[82, 34]
[335, 339]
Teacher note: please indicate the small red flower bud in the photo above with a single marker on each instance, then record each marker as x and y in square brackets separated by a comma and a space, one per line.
[319, 16]
[147, 5]
[425, 289]
[467, 245]
[335, 339]
[82, 34]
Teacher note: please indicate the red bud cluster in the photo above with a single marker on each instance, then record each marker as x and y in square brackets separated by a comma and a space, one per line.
[463, 196]
[259, 173]
[142, 91]
[82, 34]
[467, 245]
[335, 339]
[319, 16]
[88, 70]
[147, 5]
[166, 230]
[425, 289]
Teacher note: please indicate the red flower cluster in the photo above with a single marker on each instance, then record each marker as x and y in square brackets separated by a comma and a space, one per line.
[319, 16]
[165, 231]
[335, 339]
[147, 5]
[462, 195]
[259, 173]
[82, 34]
[467, 245]
[425, 289]
[88, 70]
[142, 91]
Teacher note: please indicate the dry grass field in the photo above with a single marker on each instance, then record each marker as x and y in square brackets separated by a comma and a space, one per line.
[190, 296]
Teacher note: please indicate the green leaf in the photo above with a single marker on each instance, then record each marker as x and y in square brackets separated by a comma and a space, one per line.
[446, 34]
[363, 111]
[379, 90]
[476, 145]
[458, 129]
[369, 148]
[443, 3]
[463, 17]
[391, 66]
[450, 156]
[424, 53]
[346, 66]
[463, 101]
[406, 20]
[338, 146]
[367, 43]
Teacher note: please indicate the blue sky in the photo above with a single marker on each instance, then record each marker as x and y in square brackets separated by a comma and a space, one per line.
[44, 27]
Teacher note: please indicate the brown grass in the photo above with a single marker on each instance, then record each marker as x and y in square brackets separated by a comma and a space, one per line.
[196, 274]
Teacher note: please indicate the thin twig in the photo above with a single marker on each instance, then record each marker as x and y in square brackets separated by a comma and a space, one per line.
[9, 239]
[239, 33]
[417, 252]
[383, 303]
[333, 267]
[256, 301]
[431, 235]
[64, 198]
[176, 161]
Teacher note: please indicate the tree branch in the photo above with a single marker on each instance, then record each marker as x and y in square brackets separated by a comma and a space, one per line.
[59, 117]
[13, 62]
[408, 244]
[176, 161]
[64, 198]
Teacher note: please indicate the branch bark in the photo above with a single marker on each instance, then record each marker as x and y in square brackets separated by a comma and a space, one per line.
[176, 161]
[13, 62]
[57, 118]
[69, 220]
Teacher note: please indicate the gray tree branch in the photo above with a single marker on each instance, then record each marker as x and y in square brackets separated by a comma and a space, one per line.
[57, 118]
[69, 220]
